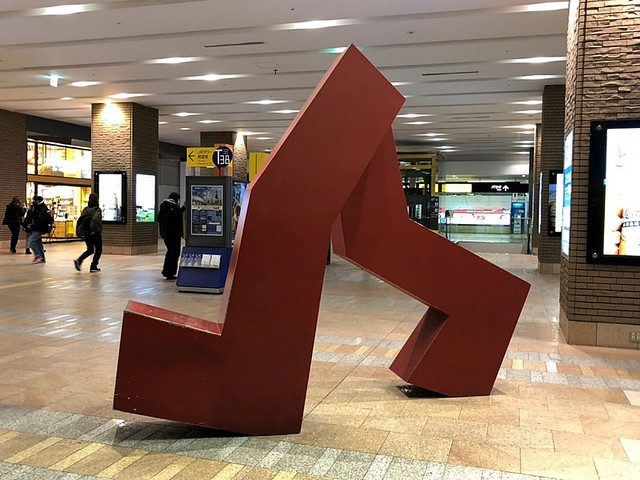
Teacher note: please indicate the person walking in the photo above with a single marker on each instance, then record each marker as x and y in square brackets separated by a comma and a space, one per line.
[13, 217]
[37, 222]
[92, 238]
[171, 227]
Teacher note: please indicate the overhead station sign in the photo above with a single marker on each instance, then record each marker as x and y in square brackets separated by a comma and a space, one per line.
[218, 156]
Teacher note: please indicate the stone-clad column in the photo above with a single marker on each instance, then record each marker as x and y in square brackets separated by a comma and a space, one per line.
[124, 137]
[534, 193]
[240, 155]
[599, 304]
[551, 158]
[13, 164]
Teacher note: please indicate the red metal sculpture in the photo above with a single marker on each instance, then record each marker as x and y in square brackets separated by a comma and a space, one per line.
[250, 374]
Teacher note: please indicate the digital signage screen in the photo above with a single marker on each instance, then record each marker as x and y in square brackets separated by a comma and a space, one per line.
[111, 188]
[145, 198]
[556, 186]
[567, 176]
[613, 228]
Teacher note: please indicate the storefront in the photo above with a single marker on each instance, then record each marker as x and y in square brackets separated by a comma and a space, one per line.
[484, 208]
[61, 174]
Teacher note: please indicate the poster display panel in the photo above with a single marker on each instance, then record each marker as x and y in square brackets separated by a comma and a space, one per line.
[613, 233]
[145, 198]
[207, 214]
[111, 188]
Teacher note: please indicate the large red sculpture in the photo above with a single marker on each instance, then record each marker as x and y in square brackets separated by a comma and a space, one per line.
[250, 374]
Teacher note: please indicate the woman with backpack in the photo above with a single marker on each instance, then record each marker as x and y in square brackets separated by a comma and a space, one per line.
[92, 237]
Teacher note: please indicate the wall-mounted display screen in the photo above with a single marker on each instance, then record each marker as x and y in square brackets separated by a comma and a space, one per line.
[111, 188]
[145, 198]
[238, 189]
[567, 175]
[556, 187]
[206, 210]
[613, 229]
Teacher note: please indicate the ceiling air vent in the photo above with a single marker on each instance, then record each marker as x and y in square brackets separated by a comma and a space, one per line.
[238, 44]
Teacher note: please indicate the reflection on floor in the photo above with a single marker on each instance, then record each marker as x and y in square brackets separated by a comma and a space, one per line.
[557, 411]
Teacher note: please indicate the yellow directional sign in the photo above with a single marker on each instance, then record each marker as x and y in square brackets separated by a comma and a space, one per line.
[200, 156]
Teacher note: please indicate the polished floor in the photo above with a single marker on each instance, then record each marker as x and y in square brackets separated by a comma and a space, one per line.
[556, 412]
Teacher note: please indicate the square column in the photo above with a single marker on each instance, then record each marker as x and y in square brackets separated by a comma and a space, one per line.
[124, 137]
[598, 303]
[13, 164]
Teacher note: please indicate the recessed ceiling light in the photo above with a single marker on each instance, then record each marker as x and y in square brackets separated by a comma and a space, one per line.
[124, 96]
[185, 114]
[185, 128]
[535, 60]
[538, 77]
[263, 138]
[266, 102]
[247, 134]
[528, 102]
[84, 83]
[209, 121]
[400, 84]
[175, 60]
[66, 98]
[529, 112]
[543, 7]
[334, 50]
[63, 10]
[285, 111]
[523, 127]
[314, 24]
[163, 123]
[212, 77]
[413, 115]
[429, 134]
[417, 123]
[53, 80]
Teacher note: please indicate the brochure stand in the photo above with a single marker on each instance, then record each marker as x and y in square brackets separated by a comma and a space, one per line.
[203, 269]
[204, 261]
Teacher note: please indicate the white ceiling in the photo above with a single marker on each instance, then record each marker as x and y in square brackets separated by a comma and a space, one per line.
[449, 57]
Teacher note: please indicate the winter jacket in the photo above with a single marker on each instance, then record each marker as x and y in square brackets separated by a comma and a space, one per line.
[13, 214]
[170, 219]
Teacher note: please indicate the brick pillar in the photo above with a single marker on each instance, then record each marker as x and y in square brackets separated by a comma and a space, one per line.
[240, 155]
[551, 158]
[534, 187]
[124, 137]
[598, 303]
[13, 164]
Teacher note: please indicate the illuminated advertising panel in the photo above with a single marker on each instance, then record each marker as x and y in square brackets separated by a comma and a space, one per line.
[613, 234]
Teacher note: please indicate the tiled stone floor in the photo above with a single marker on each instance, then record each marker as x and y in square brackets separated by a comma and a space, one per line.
[557, 411]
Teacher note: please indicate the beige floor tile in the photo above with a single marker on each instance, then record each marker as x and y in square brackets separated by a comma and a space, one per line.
[563, 466]
[491, 414]
[632, 449]
[99, 460]
[348, 438]
[403, 423]
[54, 453]
[583, 444]
[485, 455]
[18, 444]
[618, 428]
[419, 447]
[520, 436]
[550, 420]
[616, 470]
[455, 429]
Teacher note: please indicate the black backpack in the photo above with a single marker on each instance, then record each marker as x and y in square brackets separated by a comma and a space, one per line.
[83, 226]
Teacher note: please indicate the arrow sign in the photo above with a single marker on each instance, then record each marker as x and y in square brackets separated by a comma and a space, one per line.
[200, 157]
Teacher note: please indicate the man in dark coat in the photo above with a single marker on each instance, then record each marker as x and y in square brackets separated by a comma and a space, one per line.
[171, 230]
[13, 216]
